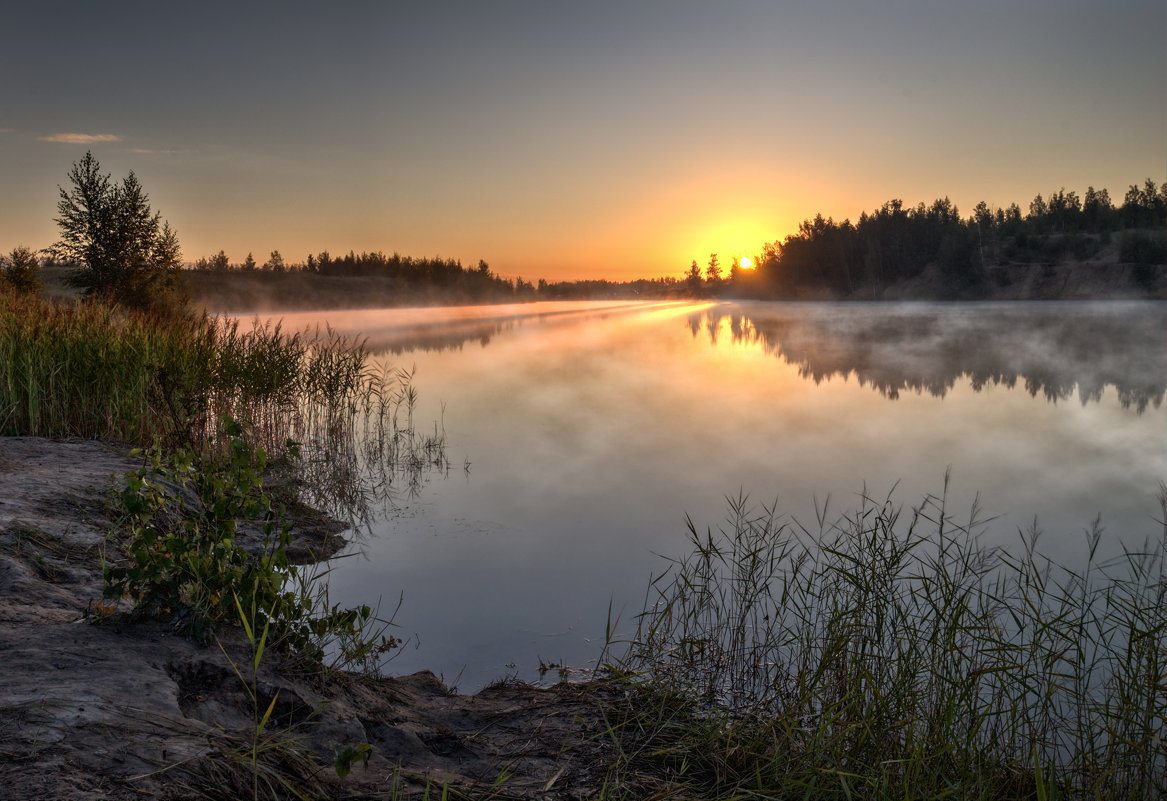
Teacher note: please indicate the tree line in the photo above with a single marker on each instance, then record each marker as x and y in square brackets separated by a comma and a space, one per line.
[889, 244]
[130, 256]
[893, 243]
[407, 273]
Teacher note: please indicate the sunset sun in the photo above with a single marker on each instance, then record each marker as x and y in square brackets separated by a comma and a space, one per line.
[747, 263]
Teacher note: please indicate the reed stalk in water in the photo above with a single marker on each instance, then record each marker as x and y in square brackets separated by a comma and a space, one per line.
[94, 371]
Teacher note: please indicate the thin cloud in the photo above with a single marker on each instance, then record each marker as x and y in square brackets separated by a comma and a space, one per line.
[154, 151]
[80, 138]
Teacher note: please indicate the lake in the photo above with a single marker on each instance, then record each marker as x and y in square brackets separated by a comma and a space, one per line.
[591, 430]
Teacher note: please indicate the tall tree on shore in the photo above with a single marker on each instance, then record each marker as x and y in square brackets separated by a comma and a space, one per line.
[693, 277]
[713, 271]
[128, 253]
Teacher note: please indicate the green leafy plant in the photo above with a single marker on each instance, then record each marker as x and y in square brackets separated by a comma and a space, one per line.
[183, 559]
[349, 755]
[268, 759]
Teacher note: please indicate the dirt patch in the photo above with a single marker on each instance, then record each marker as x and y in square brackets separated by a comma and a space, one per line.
[117, 711]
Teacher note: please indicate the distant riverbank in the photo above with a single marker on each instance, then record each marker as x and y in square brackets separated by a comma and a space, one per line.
[1102, 277]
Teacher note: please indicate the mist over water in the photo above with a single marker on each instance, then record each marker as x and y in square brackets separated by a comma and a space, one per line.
[593, 429]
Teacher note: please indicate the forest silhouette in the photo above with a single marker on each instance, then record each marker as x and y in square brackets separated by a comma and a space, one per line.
[931, 248]
[965, 259]
[894, 243]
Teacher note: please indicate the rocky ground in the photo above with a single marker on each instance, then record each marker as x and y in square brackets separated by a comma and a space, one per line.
[115, 710]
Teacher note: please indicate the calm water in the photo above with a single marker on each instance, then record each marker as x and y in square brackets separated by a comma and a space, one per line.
[593, 429]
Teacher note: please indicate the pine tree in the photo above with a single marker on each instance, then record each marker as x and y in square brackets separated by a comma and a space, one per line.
[128, 253]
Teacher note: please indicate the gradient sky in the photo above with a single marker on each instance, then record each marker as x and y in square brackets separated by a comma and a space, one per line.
[569, 140]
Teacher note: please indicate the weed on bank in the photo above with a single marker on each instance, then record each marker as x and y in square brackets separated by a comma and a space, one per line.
[889, 655]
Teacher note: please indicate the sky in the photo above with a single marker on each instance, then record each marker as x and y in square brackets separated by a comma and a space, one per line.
[568, 140]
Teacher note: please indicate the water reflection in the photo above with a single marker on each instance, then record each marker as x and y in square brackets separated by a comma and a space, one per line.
[438, 329]
[592, 430]
[1052, 350]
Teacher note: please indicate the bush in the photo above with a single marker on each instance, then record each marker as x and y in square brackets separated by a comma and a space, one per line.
[184, 561]
[20, 272]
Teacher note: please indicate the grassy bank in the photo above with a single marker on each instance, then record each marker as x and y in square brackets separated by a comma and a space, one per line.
[87, 370]
[198, 537]
[95, 371]
[892, 656]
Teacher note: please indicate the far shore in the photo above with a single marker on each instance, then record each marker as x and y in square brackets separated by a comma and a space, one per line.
[1102, 277]
[241, 293]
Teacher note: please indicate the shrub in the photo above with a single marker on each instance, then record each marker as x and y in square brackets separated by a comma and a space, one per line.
[20, 272]
[184, 561]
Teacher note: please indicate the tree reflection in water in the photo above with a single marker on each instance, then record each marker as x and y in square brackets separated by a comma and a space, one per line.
[1052, 349]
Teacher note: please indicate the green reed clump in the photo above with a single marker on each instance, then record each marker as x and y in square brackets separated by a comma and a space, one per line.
[892, 655]
[95, 371]
[89, 370]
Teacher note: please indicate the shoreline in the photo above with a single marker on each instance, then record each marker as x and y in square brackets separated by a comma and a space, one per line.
[116, 710]
[1093, 280]
[1101, 278]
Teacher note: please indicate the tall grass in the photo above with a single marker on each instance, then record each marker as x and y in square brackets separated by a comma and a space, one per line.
[891, 655]
[94, 371]
[90, 371]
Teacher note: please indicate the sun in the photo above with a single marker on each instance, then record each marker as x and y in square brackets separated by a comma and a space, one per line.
[746, 263]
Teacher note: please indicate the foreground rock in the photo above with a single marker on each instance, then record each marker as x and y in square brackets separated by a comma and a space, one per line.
[109, 710]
